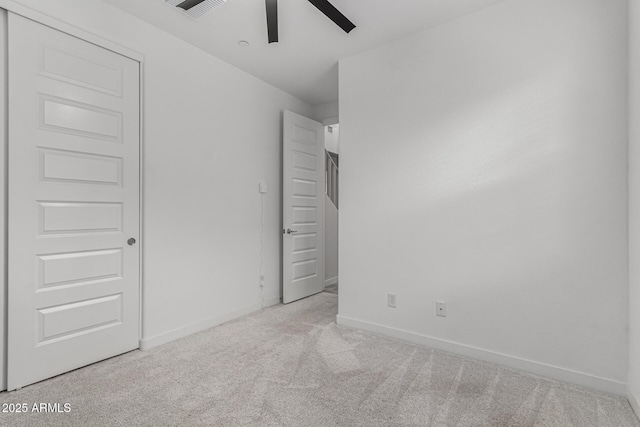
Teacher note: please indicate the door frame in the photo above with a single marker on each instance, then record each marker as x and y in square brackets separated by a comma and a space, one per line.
[49, 21]
[4, 193]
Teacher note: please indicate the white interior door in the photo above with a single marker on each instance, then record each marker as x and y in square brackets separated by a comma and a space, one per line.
[73, 203]
[303, 210]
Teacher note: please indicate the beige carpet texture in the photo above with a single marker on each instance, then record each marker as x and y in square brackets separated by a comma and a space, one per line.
[293, 366]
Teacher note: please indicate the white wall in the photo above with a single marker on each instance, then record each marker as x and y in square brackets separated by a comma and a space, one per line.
[634, 204]
[326, 113]
[212, 132]
[504, 192]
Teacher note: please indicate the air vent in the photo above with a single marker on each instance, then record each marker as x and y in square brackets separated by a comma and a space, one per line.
[196, 8]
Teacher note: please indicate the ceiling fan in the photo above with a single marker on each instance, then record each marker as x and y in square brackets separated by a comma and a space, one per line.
[197, 8]
[322, 5]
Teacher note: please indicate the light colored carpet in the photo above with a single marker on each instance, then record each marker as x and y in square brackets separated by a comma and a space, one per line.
[292, 366]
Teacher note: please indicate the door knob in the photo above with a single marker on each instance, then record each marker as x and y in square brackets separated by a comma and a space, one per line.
[290, 231]
[131, 241]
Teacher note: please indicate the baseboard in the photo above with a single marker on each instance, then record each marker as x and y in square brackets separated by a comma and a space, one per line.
[537, 368]
[184, 331]
[331, 281]
[634, 402]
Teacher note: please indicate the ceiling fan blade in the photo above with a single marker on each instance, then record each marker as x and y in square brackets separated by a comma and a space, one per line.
[272, 20]
[188, 4]
[334, 14]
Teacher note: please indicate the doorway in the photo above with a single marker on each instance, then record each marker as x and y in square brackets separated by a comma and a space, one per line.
[310, 207]
[332, 186]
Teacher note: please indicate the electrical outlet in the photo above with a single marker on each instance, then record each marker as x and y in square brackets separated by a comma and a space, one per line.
[441, 309]
[391, 300]
[262, 187]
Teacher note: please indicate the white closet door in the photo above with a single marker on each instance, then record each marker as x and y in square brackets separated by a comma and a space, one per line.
[74, 141]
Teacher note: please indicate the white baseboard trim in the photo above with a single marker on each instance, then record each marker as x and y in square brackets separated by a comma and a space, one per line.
[184, 331]
[634, 402]
[537, 368]
[330, 281]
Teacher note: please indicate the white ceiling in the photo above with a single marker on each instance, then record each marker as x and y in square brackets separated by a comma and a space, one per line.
[304, 62]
